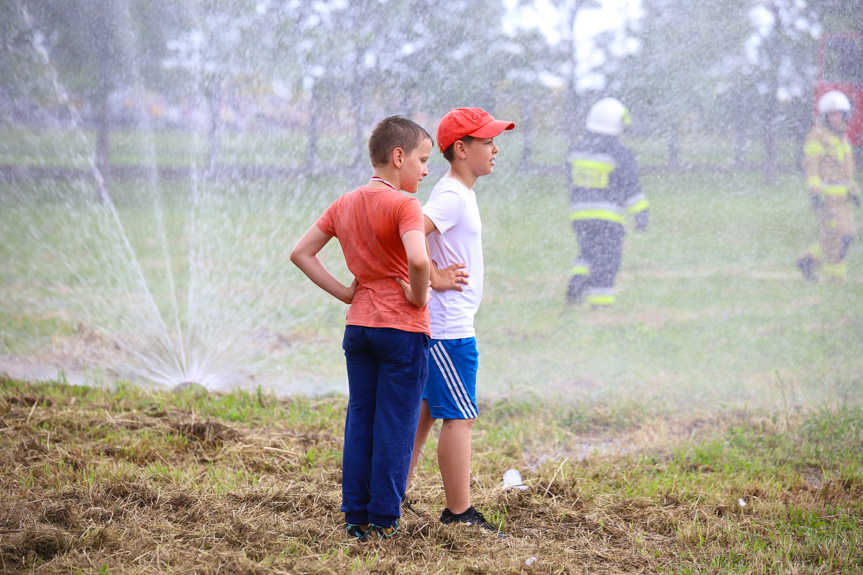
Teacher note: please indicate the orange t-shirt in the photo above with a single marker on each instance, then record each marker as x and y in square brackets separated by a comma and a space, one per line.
[369, 224]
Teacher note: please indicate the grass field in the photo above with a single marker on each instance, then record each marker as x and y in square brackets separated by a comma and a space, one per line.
[128, 481]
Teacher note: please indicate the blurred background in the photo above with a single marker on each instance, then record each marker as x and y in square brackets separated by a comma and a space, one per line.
[158, 160]
[742, 71]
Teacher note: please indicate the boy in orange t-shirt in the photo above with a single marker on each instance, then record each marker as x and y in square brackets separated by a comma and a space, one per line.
[381, 232]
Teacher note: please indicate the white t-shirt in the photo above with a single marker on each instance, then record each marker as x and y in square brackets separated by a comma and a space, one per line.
[458, 239]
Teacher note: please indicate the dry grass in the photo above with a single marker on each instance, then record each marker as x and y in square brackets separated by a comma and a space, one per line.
[134, 482]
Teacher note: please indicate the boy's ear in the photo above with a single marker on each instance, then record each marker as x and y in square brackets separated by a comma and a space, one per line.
[459, 149]
[398, 157]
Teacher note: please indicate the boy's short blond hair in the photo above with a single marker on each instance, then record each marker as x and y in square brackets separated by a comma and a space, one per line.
[395, 132]
[449, 154]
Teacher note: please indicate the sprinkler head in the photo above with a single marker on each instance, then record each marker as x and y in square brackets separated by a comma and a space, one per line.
[190, 385]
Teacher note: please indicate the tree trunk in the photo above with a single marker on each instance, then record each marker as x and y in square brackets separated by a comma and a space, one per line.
[103, 127]
[773, 49]
[570, 99]
[739, 143]
[674, 145]
[570, 122]
[214, 95]
[358, 102]
[770, 133]
[525, 129]
[312, 129]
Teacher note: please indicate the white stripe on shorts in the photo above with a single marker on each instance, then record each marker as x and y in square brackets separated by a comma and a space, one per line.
[453, 381]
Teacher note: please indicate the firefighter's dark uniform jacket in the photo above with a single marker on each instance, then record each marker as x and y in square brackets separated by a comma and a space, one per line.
[828, 162]
[604, 189]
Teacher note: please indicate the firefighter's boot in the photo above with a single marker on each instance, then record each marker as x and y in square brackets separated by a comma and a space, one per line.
[575, 288]
[807, 266]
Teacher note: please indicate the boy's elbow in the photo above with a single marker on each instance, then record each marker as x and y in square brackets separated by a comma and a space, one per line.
[296, 257]
[420, 264]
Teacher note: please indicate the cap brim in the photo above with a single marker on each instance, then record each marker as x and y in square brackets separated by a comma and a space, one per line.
[492, 129]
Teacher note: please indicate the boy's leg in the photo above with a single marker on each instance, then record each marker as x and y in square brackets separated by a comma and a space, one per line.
[453, 455]
[451, 391]
[362, 369]
[402, 376]
[426, 421]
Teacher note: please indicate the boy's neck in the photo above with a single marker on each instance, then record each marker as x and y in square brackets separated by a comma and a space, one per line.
[385, 178]
[458, 171]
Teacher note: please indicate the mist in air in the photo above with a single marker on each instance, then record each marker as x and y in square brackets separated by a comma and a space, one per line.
[159, 161]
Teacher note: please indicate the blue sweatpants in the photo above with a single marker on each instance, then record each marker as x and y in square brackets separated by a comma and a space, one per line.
[387, 369]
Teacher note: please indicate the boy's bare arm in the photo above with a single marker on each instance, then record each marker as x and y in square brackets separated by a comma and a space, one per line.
[305, 256]
[417, 287]
[452, 277]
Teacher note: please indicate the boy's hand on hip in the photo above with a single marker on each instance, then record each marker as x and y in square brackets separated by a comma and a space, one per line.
[452, 277]
[406, 287]
[352, 291]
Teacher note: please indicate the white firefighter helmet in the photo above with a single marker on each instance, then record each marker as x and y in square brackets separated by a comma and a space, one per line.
[833, 101]
[607, 116]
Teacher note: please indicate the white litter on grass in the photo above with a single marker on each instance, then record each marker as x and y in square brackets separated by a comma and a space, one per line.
[741, 502]
[512, 480]
[529, 561]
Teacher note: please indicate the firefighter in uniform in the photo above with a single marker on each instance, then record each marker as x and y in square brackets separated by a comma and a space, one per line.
[828, 163]
[604, 189]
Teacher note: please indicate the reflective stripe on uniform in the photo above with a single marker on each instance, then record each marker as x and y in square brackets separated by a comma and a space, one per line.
[836, 271]
[813, 148]
[840, 189]
[840, 149]
[596, 215]
[599, 296]
[591, 171]
[637, 204]
[606, 211]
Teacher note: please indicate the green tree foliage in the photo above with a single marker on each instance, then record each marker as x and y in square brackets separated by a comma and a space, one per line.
[696, 68]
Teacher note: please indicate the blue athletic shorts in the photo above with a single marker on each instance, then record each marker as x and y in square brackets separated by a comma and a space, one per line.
[451, 385]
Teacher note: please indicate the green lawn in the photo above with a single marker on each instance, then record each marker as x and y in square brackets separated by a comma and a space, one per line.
[710, 305]
[128, 481]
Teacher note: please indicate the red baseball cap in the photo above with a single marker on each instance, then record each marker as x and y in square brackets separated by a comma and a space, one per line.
[474, 122]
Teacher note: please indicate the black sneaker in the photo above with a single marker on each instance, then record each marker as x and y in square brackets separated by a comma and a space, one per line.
[470, 517]
[358, 531]
[385, 532]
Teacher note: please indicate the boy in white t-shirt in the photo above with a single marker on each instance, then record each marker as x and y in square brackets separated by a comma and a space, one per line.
[454, 230]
